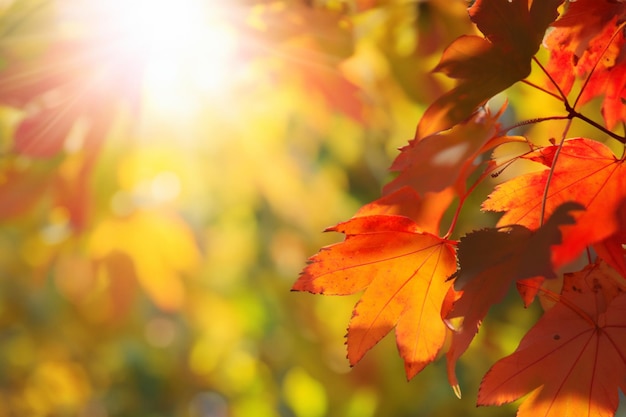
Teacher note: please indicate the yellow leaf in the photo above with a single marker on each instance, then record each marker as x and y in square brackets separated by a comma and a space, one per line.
[160, 246]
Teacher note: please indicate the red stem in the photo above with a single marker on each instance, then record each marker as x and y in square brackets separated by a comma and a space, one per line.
[545, 71]
[463, 197]
[544, 198]
[540, 88]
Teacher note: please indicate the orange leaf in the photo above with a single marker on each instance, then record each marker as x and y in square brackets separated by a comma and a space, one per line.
[574, 359]
[486, 66]
[444, 159]
[439, 165]
[579, 27]
[403, 202]
[586, 172]
[489, 260]
[403, 272]
[425, 211]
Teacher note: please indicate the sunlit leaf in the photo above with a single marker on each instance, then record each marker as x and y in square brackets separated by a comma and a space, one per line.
[586, 172]
[587, 42]
[403, 272]
[571, 361]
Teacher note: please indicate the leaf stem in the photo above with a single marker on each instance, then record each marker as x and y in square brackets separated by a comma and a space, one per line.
[540, 88]
[544, 198]
[570, 109]
[458, 210]
[488, 171]
[562, 95]
[531, 121]
[572, 113]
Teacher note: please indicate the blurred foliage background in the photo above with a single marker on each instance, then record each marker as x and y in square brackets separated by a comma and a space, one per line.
[167, 168]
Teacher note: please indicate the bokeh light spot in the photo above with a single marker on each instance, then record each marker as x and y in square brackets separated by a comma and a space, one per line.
[305, 395]
[165, 186]
[161, 332]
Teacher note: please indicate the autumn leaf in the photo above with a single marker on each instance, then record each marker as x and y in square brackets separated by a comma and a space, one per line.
[606, 58]
[588, 38]
[614, 88]
[403, 271]
[513, 31]
[438, 166]
[579, 28]
[403, 202]
[572, 360]
[585, 19]
[586, 172]
[532, 249]
[426, 211]
[489, 261]
[445, 159]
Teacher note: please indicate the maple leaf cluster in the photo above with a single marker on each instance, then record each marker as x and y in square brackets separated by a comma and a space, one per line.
[436, 291]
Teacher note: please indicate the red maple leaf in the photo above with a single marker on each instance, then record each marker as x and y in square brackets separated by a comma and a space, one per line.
[574, 359]
[588, 41]
[426, 211]
[485, 66]
[583, 20]
[489, 261]
[403, 271]
[446, 159]
[586, 172]
[437, 167]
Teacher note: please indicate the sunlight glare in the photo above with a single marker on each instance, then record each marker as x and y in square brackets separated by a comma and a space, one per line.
[184, 45]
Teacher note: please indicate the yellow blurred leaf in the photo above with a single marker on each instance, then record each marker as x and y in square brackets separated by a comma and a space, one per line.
[61, 386]
[161, 248]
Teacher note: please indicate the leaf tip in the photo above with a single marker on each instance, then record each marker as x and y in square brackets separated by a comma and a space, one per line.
[457, 390]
